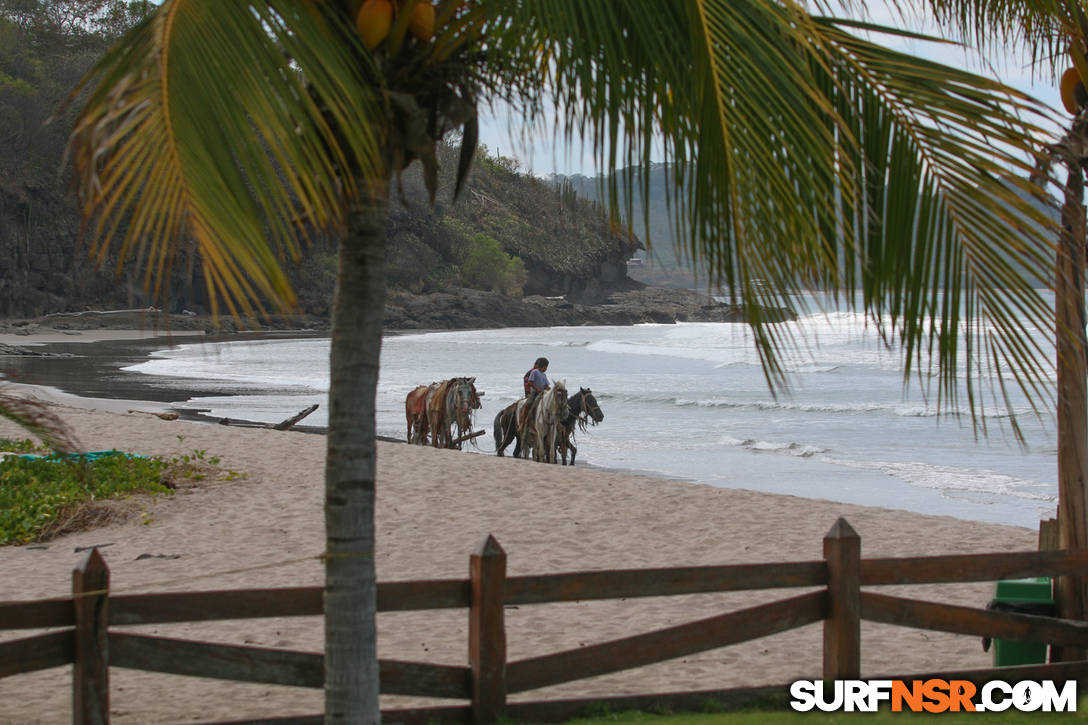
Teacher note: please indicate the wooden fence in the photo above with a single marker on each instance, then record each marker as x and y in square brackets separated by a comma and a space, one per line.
[837, 599]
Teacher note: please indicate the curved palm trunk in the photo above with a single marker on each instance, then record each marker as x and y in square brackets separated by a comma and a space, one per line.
[1072, 397]
[351, 659]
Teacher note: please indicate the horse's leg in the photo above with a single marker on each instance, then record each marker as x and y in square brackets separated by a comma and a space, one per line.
[538, 446]
[516, 435]
[500, 435]
[573, 453]
[528, 444]
[525, 442]
[510, 433]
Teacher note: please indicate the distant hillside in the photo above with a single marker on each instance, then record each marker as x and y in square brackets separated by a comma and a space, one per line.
[663, 264]
[563, 240]
[508, 232]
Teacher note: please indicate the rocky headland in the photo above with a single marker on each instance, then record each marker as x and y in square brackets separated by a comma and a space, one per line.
[627, 304]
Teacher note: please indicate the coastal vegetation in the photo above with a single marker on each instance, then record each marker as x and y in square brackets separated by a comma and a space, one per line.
[43, 494]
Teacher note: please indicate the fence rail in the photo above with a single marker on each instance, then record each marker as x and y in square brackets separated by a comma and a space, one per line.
[836, 599]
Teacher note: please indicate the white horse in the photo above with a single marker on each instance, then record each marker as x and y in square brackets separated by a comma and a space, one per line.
[543, 429]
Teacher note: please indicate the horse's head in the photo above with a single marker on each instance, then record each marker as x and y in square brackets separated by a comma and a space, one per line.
[463, 393]
[475, 398]
[561, 402]
[589, 405]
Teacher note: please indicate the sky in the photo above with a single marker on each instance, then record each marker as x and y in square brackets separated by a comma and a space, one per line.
[538, 155]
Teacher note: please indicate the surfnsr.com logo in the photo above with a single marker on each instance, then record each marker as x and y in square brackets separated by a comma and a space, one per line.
[933, 696]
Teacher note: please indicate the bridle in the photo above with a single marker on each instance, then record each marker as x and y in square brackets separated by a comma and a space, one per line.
[586, 414]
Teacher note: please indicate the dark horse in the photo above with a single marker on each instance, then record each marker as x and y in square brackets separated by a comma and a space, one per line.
[506, 429]
[583, 409]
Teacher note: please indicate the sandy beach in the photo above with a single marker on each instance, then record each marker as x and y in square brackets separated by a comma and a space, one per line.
[264, 528]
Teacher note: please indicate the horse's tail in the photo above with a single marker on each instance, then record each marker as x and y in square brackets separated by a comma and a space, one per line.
[498, 429]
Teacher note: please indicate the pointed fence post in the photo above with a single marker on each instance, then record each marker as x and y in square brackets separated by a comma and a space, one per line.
[90, 673]
[487, 632]
[842, 628]
[1049, 535]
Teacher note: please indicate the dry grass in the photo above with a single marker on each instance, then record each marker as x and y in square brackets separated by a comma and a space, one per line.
[88, 515]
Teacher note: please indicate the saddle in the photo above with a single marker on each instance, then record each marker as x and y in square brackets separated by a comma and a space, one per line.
[436, 397]
[525, 412]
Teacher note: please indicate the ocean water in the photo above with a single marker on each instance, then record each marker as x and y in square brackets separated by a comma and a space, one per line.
[686, 401]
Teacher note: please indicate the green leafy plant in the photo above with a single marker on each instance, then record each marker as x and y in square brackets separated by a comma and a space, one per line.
[43, 497]
[25, 445]
[487, 266]
[196, 467]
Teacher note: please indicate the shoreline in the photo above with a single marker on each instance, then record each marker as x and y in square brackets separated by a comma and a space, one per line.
[85, 373]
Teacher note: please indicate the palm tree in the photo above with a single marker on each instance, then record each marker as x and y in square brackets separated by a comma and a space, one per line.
[1055, 34]
[801, 154]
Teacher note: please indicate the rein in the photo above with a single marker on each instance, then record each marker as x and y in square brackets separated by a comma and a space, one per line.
[580, 412]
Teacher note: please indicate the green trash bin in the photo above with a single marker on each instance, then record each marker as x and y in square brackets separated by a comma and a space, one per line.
[1022, 596]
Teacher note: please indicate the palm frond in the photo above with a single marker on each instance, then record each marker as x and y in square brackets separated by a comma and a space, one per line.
[805, 156]
[230, 124]
[1043, 28]
[36, 418]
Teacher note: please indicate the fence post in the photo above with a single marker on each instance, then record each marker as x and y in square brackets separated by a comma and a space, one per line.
[1049, 535]
[842, 628]
[487, 632]
[90, 673]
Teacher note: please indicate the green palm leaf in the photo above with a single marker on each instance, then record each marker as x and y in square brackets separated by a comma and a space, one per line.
[804, 155]
[231, 126]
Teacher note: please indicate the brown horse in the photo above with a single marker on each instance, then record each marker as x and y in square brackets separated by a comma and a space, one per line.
[415, 413]
[450, 404]
[436, 414]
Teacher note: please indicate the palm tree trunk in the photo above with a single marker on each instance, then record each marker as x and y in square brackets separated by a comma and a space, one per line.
[1072, 400]
[351, 656]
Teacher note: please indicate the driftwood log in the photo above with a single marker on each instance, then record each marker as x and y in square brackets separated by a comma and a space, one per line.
[283, 425]
[287, 424]
[467, 436]
[163, 416]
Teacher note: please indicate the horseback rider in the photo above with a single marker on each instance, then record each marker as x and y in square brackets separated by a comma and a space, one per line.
[536, 382]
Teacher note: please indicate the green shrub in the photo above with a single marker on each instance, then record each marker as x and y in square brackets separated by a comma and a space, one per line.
[24, 446]
[42, 497]
[487, 266]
